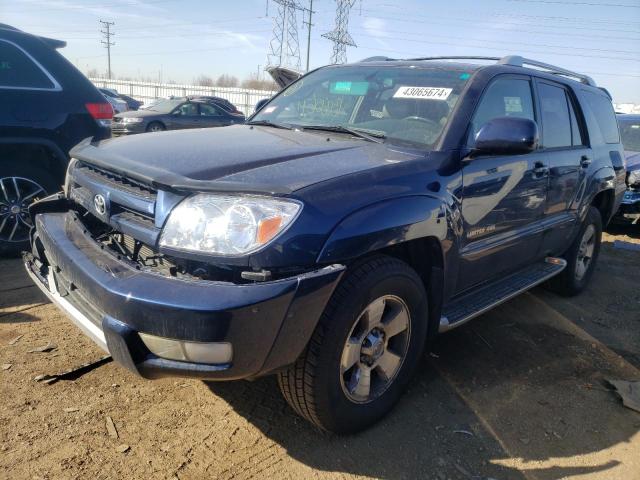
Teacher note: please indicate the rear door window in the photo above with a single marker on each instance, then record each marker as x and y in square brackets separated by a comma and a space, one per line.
[17, 70]
[602, 109]
[556, 118]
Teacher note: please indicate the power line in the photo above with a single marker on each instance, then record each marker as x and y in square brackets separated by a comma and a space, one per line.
[107, 41]
[589, 4]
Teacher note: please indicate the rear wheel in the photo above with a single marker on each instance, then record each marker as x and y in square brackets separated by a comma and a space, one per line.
[155, 127]
[364, 350]
[20, 185]
[581, 257]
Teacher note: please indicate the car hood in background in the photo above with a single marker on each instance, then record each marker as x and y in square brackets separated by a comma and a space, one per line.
[633, 160]
[283, 76]
[240, 158]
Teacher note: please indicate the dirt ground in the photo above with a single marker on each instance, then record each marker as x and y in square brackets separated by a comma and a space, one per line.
[518, 393]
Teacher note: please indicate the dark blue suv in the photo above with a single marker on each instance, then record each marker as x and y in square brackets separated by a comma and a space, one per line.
[362, 210]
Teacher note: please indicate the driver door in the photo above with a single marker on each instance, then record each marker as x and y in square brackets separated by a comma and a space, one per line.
[185, 116]
[503, 196]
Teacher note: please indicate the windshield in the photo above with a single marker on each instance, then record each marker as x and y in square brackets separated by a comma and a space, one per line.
[165, 106]
[403, 104]
[630, 133]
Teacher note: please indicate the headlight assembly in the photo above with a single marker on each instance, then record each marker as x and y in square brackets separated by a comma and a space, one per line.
[229, 225]
[131, 120]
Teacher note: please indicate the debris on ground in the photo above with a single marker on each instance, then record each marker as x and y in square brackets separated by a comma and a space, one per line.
[13, 341]
[45, 378]
[6, 366]
[75, 372]
[465, 432]
[629, 392]
[44, 349]
[71, 409]
[123, 448]
[111, 428]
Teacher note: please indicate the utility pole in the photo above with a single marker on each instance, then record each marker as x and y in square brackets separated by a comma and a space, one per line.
[258, 76]
[107, 41]
[309, 25]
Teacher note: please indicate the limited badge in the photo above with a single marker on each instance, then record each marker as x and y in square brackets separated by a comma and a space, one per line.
[424, 93]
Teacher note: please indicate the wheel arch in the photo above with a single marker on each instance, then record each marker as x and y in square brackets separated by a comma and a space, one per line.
[42, 151]
[411, 229]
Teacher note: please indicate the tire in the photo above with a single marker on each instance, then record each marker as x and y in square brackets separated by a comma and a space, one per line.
[320, 388]
[575, 277]
[32, 183]
[156, 127]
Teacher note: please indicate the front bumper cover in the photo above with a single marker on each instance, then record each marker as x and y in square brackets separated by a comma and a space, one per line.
[268, 323]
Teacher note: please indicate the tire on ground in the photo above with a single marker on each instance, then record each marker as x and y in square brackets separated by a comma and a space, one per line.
[313, 386]
[569, 282]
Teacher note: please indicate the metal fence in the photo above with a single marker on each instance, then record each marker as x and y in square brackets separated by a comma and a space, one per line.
[243, 98]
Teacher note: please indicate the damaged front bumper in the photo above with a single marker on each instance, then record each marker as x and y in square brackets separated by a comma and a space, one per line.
[264, 325]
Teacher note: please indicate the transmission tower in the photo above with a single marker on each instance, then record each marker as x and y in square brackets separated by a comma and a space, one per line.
[340, 34]
[284, 46]
[107, 42]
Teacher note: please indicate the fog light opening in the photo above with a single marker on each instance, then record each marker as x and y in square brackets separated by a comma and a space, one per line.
[186, 351]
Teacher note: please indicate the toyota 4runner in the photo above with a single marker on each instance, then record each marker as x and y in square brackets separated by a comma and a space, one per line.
[361, 211]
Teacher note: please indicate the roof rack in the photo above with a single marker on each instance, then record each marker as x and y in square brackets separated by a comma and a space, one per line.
[511, 60]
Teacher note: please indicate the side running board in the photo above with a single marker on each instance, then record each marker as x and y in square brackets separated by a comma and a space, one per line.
[463, 309]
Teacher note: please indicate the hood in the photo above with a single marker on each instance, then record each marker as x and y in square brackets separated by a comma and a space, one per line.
[239, 158]
[632, 159]
[283, 76]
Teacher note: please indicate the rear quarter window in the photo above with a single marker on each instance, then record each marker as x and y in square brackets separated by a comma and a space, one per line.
[602, 109]
[17, 70]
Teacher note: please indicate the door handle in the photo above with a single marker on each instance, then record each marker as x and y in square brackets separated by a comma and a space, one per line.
[540, 169]
[585, 161]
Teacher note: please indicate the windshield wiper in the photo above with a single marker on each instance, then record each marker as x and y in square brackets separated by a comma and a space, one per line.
[369, 135]
[269, 123]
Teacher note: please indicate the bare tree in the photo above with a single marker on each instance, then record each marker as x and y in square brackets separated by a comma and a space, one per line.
[226, 80]
[204, 81]
[254, 83]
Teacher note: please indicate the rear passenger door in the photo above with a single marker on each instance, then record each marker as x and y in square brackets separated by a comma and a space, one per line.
[567, 157]
[503, 197]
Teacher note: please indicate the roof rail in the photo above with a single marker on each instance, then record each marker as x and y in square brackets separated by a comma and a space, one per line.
[518, 61]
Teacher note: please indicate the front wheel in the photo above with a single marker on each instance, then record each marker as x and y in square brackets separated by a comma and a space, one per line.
[156, 127]
[581, 257]
[364, 350]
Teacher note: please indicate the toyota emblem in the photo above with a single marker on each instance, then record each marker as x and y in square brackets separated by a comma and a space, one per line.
[100, 204]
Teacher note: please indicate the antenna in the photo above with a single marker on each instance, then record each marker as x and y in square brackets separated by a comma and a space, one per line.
[284, 46]
[340, 34]
[107, 42]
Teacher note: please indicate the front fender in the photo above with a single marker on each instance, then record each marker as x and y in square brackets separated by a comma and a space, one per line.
[383, 224]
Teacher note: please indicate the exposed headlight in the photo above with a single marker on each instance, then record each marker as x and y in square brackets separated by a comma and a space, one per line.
[131, 120]
[634, 178]
[229, 225]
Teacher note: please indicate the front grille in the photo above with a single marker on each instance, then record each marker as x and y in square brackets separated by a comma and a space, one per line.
[118, 181]
[128, 206]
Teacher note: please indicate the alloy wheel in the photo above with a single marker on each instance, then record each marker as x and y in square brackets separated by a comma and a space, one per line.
[16, 194]
[375, 349]
[585, 252]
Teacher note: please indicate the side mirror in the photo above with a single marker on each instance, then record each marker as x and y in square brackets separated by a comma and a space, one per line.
[261, 103]
[506, 136]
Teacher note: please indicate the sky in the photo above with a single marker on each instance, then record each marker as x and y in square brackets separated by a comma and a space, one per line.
[180, 40]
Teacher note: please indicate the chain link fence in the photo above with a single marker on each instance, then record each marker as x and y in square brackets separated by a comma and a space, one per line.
[243, 98]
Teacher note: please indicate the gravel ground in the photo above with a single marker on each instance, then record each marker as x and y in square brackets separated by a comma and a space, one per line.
[518, 393]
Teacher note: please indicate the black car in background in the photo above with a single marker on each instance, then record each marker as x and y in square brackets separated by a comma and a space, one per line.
[46, 107]
[175, 114]
[219, 101]
[630, 132]
[132, 103]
